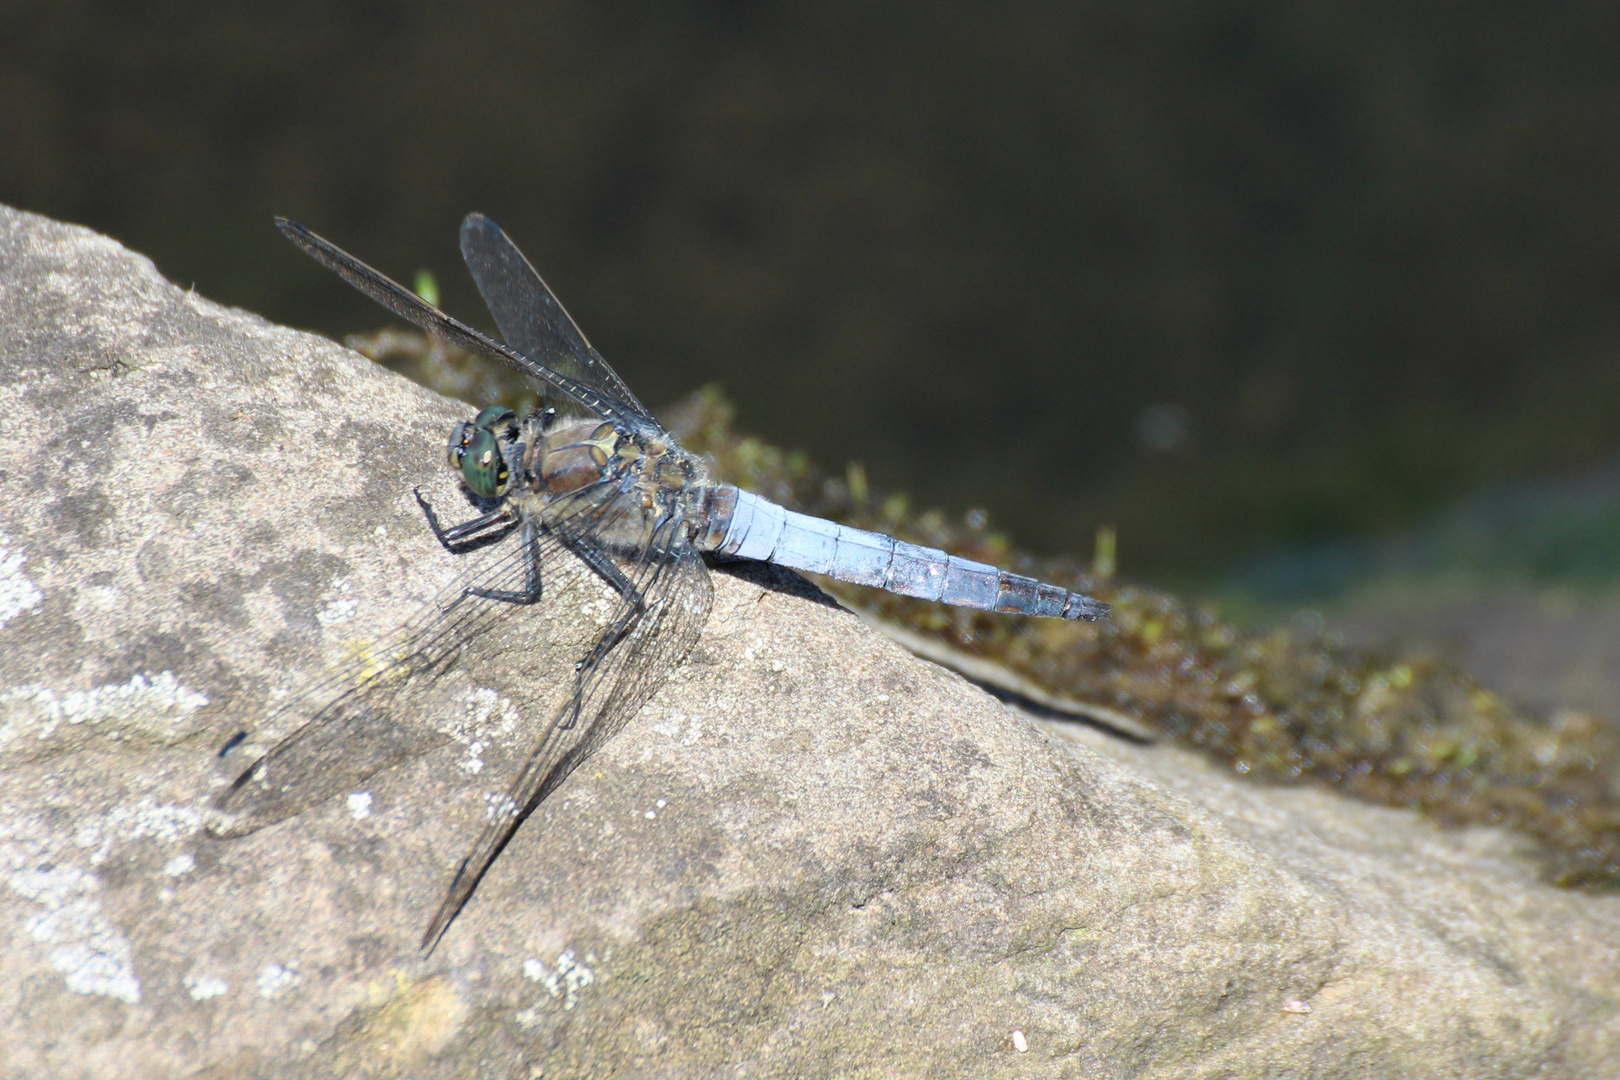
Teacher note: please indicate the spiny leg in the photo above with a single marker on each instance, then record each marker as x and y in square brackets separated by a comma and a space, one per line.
[460, 539]
[530, 593]
[606, 569]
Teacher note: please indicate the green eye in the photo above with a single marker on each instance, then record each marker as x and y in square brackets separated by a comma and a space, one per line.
[457, 449]
[493, 417]
[475, 451]
[482, 466]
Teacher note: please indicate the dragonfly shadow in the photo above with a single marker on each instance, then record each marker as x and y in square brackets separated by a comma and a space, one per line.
[772, 577]
[1108, 722]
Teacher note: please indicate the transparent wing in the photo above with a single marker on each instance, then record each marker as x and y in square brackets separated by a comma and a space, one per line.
[357, 721]
[365, 717]
[532, 319]
[407, 305]
[653, 627]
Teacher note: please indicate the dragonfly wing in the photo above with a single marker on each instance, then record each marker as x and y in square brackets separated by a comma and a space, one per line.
[359, 719]
[407, 305]
[532, 319]
[369, 714]
[652, 629]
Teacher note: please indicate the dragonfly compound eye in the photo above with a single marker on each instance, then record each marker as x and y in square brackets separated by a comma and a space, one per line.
[475, 451]
[483, 467]
[457, 449]
[498, 419]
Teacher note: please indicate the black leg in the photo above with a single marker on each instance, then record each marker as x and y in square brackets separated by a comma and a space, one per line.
[530, 593]
[606, 569]
[460, 539]
[599, 561]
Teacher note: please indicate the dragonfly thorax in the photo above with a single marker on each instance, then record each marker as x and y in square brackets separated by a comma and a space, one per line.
[628, 481]
[572, 455]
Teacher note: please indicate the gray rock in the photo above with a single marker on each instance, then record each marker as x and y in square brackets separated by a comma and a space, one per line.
[811, 855]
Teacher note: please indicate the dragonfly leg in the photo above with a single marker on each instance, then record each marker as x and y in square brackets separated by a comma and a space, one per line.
[531, 592]
[606, 569]
[460, 539]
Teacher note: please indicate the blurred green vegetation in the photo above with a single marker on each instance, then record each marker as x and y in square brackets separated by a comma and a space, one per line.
[1558, 540]
[1229, 275]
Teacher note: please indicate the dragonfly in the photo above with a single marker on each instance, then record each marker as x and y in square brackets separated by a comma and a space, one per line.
[590, 476]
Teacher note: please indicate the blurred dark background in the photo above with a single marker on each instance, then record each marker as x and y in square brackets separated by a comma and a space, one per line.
[1235, 277]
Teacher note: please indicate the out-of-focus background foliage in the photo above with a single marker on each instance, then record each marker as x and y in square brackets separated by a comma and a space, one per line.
[1238, 278]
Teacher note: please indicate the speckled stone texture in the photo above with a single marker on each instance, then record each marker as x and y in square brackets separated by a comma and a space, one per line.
[811, 855]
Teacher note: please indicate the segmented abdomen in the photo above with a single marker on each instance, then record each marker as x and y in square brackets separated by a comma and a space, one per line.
[749, 527]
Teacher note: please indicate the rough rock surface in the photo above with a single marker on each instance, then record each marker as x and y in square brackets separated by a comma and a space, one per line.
[811, 855]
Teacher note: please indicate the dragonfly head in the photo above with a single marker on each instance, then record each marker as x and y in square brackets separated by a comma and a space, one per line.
[478, 451]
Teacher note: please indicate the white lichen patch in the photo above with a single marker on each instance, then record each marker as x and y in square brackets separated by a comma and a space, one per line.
[340, 610]
[156, 709]
[82, 943]
[276, 979]
[499, 807]
[205, 987]
[473, 763]
[147, 819]
[684, 729]
[359, 805]
[488, 717]
[599, 606]
[570, 977]
[17, 593]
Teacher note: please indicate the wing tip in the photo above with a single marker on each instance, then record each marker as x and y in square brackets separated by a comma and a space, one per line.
[223, 824]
